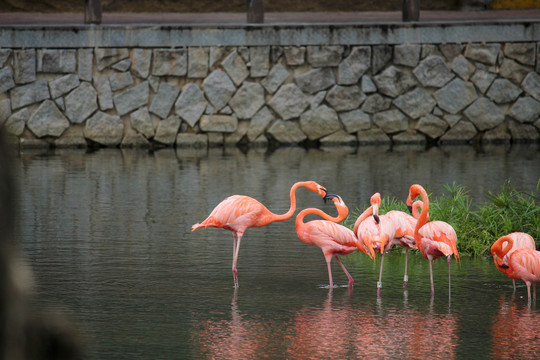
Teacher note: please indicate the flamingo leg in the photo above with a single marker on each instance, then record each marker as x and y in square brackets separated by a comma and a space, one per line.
[328, 259]
[379, 283]
[431, 276]
[236, 248]
[351, 280]
[514, 283]
[405, 277]
[449, 259]
[528, 291]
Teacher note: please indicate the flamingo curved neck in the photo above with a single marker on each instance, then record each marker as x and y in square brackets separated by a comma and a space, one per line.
[292, 208]
[422, 219]
[342, 214]
[363, 216]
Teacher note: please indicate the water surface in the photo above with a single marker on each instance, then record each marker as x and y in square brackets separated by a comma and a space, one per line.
[108, 235]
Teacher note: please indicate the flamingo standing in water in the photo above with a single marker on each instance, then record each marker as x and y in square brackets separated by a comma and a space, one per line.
[237, 213]
[385, 231]
[333, 239]
[521, 264]
[520, 240]
[435, 238]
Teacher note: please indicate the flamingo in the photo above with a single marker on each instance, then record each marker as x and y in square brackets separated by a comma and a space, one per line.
[521, 264]
[237, 213]
[520, 240]
[435, 238]
[333, 239]
[385, 231]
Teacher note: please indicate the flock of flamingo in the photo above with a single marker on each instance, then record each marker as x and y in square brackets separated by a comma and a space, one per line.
[514, 254]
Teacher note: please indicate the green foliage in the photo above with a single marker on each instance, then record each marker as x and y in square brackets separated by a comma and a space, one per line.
[477, 229]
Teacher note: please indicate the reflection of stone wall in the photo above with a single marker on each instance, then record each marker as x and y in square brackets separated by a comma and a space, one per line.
[210, 96]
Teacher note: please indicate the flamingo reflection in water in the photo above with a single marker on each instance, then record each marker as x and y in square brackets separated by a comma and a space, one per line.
[515, 331]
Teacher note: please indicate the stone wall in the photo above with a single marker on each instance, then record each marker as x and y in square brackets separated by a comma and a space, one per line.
[206, 96]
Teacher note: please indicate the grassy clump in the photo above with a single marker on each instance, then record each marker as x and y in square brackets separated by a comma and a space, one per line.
[477, 229]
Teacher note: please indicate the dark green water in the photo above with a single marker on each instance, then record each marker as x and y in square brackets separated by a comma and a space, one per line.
[108, 237]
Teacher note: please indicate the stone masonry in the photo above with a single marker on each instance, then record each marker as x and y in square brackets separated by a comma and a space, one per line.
[271, 95]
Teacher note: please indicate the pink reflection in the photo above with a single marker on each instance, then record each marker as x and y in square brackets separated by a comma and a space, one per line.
[515, 331]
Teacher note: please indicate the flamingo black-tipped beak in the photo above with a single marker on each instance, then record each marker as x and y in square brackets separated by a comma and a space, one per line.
[376, 217]
[409, 207]
[329, 197]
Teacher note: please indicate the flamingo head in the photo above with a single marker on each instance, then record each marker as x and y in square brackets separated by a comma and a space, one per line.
[375, 202]
[316, 188]
[500, 248]
[341, 207]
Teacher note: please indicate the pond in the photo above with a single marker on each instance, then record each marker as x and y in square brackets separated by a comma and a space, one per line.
[108, 236]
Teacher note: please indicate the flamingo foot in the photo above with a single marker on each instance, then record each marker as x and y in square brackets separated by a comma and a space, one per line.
[378, 293]
[405, 281]
[235, 276]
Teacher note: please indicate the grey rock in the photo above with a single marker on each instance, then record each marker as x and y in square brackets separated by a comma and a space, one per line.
[355, 120]
[523, 132]
[429, 49]
[24, 66]
[409, 137]
[164, 99]
[6, 79]
[499, 134]
[154, 81]
[503, 91]
[85, 64]
[531, 85]
[486, 53]
[219, 123]
[235, 137]
[190, 104]
[315, 80]
[119, 81]
[376, 103]
[275, 53]
[122, 65]
[382, 54]
[57, 61]
[243, 51]
[216, 53]
[368, 86]
[131, 99]
[394, 82]
[289, 102]
[339, 138]
[167, 130]
[287, 132]
[60, 103]
[260, 61]
[132, 138]
[433, 72]
[143, 123]
[218, 88]
[525, 110]
[522, 52]
[29, 94]
[215, 140]
[105, 57]
[81, 103]
[391, 121]
[104, 129]
[484, 114]
[463, 67]
[415, 103]
[63, 85]
[259, 123]
[104, 92]
[324, 56]
[16, 122]
[47, 120]
[5, 110]
[512, 70]
[483, 79]
[235, 67]
[277, 75]
[294, 55]
[197, 62]
[455, 96]
[169, 62]
[140, 62]
[451, 51]
[317, 99]
[452, 119]
[372, 137]
[354, 66]
[226, 110]
[4, 55]
[319, 122]
[432, 126]
[344, 98]
[73, 136]
[196, 141]
[407, 54]
[462, 132]
[248, 100]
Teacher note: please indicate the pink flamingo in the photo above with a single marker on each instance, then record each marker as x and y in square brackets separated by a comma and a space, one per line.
[435, 238]
[333, 239]
[385, 231]
[237, 213]
[521, 264]
[520, 240]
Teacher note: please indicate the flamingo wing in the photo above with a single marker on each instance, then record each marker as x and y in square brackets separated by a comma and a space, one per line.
[440, 236]
[329, 236]
[525, 265]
